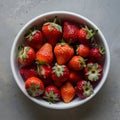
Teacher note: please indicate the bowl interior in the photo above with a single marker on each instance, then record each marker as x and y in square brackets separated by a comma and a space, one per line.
[63, 15]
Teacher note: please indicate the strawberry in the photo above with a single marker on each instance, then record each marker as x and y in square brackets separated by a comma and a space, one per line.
[63, 52]
[52, 31]
[70, 32]
[28, 71]
[34, 39]
[93, 72]
[96, 54]
[45, 54]
[75, 76]
[84, 89]
[77, 63]
[34, 86]
[44, 71]
[52, 94]
[60, 73]
[67, 92]
[85, 35]
[26, 55]
[83, 50]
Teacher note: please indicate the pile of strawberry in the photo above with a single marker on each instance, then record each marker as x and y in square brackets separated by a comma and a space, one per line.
[59, 62]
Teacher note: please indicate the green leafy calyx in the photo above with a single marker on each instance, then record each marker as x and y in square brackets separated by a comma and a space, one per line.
[90, 33]
[51, 97]
[88, 89]
[34, 90]
[94, 72]
[58, 70]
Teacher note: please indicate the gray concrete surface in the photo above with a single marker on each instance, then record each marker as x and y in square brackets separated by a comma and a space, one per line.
[14, 14]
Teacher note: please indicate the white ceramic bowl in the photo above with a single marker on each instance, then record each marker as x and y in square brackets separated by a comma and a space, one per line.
[36, 21]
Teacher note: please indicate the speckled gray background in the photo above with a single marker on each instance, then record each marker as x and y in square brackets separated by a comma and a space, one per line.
[14, 14]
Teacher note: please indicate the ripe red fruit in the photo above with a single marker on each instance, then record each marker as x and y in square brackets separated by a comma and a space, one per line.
[75, 76]
[52, 31]
[52, 94]
[93, 72]
[34, 39]
[45, 54]
[67, 92]
[84, 89]
[85, 35]
[28, 71]
[63, 52]
[34, 86]
[60, 73]
[70, 32]
[77, 63]
[26, 55]
[45, 71]
[96, 54]
[83, 50]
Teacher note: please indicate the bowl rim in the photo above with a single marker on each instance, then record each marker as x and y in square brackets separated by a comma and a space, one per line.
[53, 106]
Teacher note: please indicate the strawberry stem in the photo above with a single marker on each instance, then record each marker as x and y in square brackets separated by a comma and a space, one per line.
[29, 33]
[62, 42]
[55, 19]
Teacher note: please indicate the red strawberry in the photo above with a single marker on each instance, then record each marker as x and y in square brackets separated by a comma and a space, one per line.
[75, 76]
[60, 73]
[63, 52]
[83, 50]
[84, 89]
[34, 86]
[96, 54]
[45, 54]
[44, 71]
[52, 94]
[77, 63]
[28, 71]
[52, 31]
[26, 55]
[85, 35]
[93, 72]
[67, 92]
[70, 32]
[34, 39]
